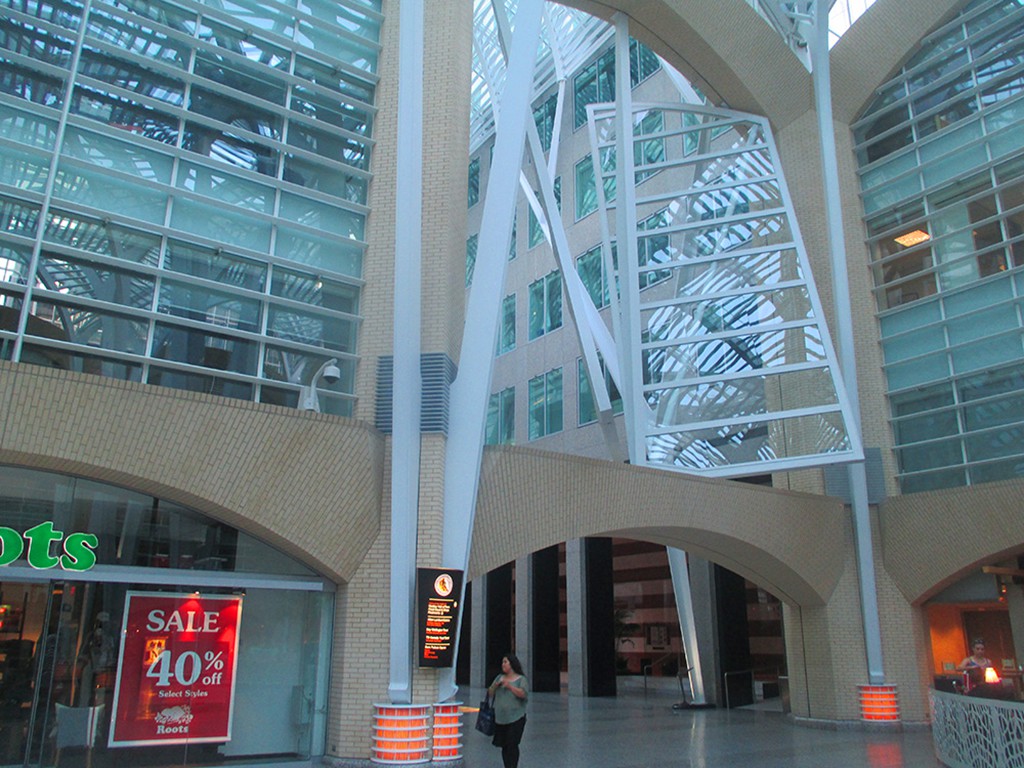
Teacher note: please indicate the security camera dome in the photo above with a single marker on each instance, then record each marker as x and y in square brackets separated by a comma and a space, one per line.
[331, 374]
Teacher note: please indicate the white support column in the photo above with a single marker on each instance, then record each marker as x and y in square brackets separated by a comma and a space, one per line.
[405, 440]
[821, 78]
[471, 389]
[630, 362]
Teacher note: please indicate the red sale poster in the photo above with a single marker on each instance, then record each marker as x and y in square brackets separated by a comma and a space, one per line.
[176, 671]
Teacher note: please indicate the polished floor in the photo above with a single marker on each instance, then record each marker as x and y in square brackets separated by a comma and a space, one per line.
[635, 730]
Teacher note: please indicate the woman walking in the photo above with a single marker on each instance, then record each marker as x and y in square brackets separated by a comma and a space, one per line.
[510, 690]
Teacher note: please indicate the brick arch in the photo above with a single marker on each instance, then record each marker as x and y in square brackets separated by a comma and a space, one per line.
[794, 545]
[724, 48]
[281, 481]
[727, 50]
[932, 540]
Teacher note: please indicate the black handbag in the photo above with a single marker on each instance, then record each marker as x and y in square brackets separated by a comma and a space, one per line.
[485, 717]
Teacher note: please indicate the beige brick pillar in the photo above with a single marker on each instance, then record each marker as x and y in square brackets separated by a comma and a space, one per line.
[360, 662]
[826, 657]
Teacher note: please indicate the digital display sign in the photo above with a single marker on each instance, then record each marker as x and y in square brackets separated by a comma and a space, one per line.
[176, 671]
[438, 592]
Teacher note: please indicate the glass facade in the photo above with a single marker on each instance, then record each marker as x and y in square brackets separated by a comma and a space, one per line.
[942, 177]
[60, 632]
[183, 188]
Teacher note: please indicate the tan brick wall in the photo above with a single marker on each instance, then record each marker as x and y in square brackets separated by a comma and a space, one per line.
[307, 483]
[447, 59]
[254, 466]
[930, 540]
[360, 667]
[447, 69]
[792, 544]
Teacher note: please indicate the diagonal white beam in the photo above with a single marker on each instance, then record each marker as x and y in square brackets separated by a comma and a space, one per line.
[590, 329]
[471, 389]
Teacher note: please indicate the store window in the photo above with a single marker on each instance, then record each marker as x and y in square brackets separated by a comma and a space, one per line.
[259, 688]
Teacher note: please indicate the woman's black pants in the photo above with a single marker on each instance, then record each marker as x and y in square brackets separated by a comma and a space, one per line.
[507, 737]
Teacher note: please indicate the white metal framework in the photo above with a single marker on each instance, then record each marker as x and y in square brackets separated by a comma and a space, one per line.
[737, 372]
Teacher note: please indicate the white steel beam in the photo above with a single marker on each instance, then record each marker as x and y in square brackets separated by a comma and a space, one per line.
[471, 389]
[591, 331]
[680, 571]
[405, 440]
[821, 78]
[630, 361]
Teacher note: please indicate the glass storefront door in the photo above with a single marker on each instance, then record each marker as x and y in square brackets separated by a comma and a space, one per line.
[57, 658]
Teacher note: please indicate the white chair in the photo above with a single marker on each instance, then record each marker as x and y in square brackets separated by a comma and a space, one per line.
[78, 727]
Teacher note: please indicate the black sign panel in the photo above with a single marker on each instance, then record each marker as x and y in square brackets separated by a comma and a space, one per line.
[438, 591]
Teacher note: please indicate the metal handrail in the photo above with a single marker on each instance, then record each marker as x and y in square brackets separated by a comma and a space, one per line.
[751, 672]
[646, 668]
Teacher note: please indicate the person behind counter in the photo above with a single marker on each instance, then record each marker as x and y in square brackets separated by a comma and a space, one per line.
[510, 690]
[975, 664]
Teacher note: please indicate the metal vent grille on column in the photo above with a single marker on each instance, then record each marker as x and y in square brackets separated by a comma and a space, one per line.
[437, 372]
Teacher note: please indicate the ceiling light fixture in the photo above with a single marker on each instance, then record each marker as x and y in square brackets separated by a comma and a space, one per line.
[912, 238]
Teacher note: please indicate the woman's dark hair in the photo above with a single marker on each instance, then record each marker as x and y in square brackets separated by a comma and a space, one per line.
[513, 661]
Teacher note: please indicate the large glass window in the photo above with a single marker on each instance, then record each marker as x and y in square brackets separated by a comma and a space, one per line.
[545, 393]
[150, 253]
[942, 169]
[545, 305]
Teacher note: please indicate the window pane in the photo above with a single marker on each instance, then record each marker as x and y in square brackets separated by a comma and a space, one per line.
[474, 182]
[554, 401]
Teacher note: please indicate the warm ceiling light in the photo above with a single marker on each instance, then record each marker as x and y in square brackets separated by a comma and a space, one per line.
[912, 238]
